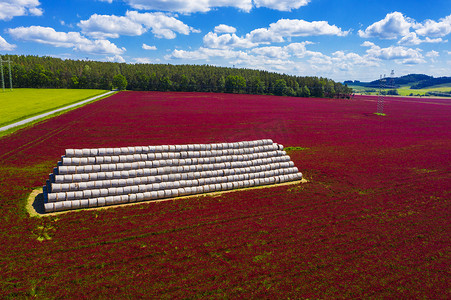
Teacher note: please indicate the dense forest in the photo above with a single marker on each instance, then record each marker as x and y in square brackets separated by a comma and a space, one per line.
[49, 72]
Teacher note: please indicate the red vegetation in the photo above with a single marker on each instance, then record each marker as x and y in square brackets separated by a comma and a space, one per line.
[372, 222]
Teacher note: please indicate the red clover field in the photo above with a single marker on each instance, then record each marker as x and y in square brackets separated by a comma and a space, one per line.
[373, 220]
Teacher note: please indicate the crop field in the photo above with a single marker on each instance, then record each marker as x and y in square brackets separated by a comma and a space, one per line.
[22, 103]
[373, 220]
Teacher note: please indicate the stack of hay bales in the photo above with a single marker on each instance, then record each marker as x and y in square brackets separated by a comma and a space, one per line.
[109, 176]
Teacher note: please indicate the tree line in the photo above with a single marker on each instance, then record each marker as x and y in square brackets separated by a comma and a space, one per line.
[30, 71]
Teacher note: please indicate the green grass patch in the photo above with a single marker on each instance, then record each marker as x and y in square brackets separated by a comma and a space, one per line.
[20, 104]
[295, 149]
[380, 114]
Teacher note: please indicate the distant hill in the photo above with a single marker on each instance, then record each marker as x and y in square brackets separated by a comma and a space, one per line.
[416, 81]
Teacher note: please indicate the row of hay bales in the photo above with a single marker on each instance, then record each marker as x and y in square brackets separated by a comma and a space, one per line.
[81, 182]
[255, 152]
[112, 165]
[165, 148]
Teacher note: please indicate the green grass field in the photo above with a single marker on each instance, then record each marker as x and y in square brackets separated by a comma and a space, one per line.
[20, 104]
[404, 90]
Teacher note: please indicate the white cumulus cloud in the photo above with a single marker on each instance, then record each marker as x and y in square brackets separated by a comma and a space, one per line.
[191, 6]
[134, 24]
[5, 46]
[48, 35]
[282, 5]
[147, 47]
[212, 40]
[194, 6]
[391, 27]
[413, 39]
[224, 29]
[15, 8]
[433, 28]
[285, 28]
[398, 53]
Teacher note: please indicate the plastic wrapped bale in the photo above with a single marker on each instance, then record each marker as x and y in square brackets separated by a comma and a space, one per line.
[49, 207]
[101, 201]
[139, 197]
[103, 192]
[58, 206]
[84, 203]
[102, 152]
[132, 198]
[124, 198]
[160, 194]
[86, 194]
[92, 202]
[109, 200]
[116, 200]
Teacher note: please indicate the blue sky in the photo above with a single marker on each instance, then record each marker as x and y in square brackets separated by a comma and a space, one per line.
[349, 39]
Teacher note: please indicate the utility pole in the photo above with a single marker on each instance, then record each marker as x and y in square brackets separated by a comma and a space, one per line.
[3, 76]
[380, 98]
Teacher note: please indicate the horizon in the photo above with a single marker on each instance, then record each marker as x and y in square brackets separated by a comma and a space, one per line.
[341, 41]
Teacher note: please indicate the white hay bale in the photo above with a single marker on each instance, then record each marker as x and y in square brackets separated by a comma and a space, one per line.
[83, 161]
[153, 195]
[160, 194]
[95, 193]
[78, 153]
[125, 150]
[93, 152]
[132, 198]
[92, 202]
[102, 152]
[124, 199]
[57, 206]
[116, 199]
[75, 204]
[175, 192]
[66, 161]
[86, 194]
[109, 200]
[100, 201]
[139, 197]
[84, 203]
[127, 190]
[146, 196]
[66, 205]
[103, 192]
[51, 197]
[167, 193]
[70, 196]
[70, 152]
[109, 151]
[116, 151]
[112, 191]
[181, 191]
[83, 152]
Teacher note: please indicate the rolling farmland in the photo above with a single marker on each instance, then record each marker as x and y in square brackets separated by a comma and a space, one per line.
[373, 220]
